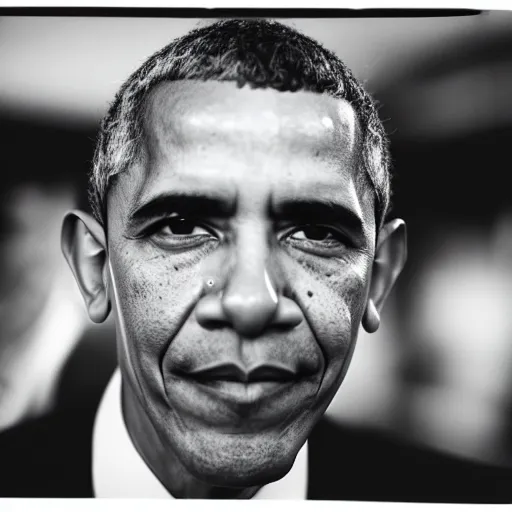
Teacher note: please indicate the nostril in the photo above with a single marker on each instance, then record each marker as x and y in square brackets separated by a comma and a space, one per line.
[289, 314]
[209, 313]
[211, 324]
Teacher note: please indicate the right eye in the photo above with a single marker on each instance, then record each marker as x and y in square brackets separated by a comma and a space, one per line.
[178, 232]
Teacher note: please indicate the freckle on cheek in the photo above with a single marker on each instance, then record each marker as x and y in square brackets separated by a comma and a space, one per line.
[176, 268]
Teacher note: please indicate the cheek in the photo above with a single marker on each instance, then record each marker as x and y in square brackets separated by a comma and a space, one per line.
[155, 297]
[332, 295]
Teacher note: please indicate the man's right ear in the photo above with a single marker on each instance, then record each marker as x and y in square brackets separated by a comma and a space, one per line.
[84, 246]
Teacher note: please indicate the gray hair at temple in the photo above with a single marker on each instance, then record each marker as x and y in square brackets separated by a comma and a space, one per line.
[257, 53]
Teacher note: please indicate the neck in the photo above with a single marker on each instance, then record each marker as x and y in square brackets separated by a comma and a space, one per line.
[164, 463]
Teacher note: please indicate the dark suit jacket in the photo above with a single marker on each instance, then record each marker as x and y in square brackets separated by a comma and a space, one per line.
[51, 456]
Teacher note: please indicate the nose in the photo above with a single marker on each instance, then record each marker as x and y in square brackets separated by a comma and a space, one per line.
[251, 300]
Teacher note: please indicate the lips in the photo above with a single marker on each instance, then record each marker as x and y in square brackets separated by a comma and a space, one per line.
[232, 372]
[230, 390]
[227, 393]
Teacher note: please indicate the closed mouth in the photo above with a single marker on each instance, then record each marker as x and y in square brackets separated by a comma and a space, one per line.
[228, 392]
[232, 372]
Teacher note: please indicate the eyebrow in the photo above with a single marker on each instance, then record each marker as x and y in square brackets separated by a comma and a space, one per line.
[187, 203]
[324, 210]
[203, 204]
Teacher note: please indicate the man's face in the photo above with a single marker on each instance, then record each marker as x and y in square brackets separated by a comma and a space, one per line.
[241, 249]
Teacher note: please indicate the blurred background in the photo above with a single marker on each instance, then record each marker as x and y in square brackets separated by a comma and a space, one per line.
[439, 370]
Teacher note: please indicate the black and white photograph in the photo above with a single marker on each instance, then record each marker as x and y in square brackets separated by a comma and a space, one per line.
[256, 255]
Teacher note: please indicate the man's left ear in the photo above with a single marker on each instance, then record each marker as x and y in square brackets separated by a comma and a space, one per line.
[390, 257]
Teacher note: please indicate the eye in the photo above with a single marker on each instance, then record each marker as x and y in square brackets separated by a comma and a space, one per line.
[315, 233]
[180, 226]
[319, 240]
[178, 233]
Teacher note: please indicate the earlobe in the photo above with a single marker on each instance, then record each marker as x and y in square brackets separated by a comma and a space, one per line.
[84, 247]
[371, 317]
[390, 258]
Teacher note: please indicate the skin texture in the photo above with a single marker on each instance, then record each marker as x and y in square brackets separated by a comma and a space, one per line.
[261, 279]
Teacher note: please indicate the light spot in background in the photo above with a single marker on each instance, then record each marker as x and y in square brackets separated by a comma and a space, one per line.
[77, 80]
[463, 312]
[472, 102]
[43, 316]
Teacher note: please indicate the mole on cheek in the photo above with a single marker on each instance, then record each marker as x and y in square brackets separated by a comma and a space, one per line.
[310, 293]
[176, 268]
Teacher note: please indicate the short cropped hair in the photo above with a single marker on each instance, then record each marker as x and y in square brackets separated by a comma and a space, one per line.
[255, 53]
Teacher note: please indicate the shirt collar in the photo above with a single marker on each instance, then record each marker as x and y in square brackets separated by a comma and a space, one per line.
[119, 471]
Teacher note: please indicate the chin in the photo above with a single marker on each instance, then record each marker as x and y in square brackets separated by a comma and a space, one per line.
[241, 460]
[242, 475]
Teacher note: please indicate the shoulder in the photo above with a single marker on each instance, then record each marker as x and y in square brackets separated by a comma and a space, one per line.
[364, 465]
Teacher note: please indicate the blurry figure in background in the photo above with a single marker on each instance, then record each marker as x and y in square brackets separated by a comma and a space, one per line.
[40, 318]
[463, 314]
[47, 343]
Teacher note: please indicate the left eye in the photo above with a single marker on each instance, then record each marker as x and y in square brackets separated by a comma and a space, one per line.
[316, 233]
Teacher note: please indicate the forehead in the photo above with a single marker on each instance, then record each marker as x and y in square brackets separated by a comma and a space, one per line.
[194, 112]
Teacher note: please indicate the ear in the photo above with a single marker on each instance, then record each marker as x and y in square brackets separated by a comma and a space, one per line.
[390, 257]
[84, 246]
